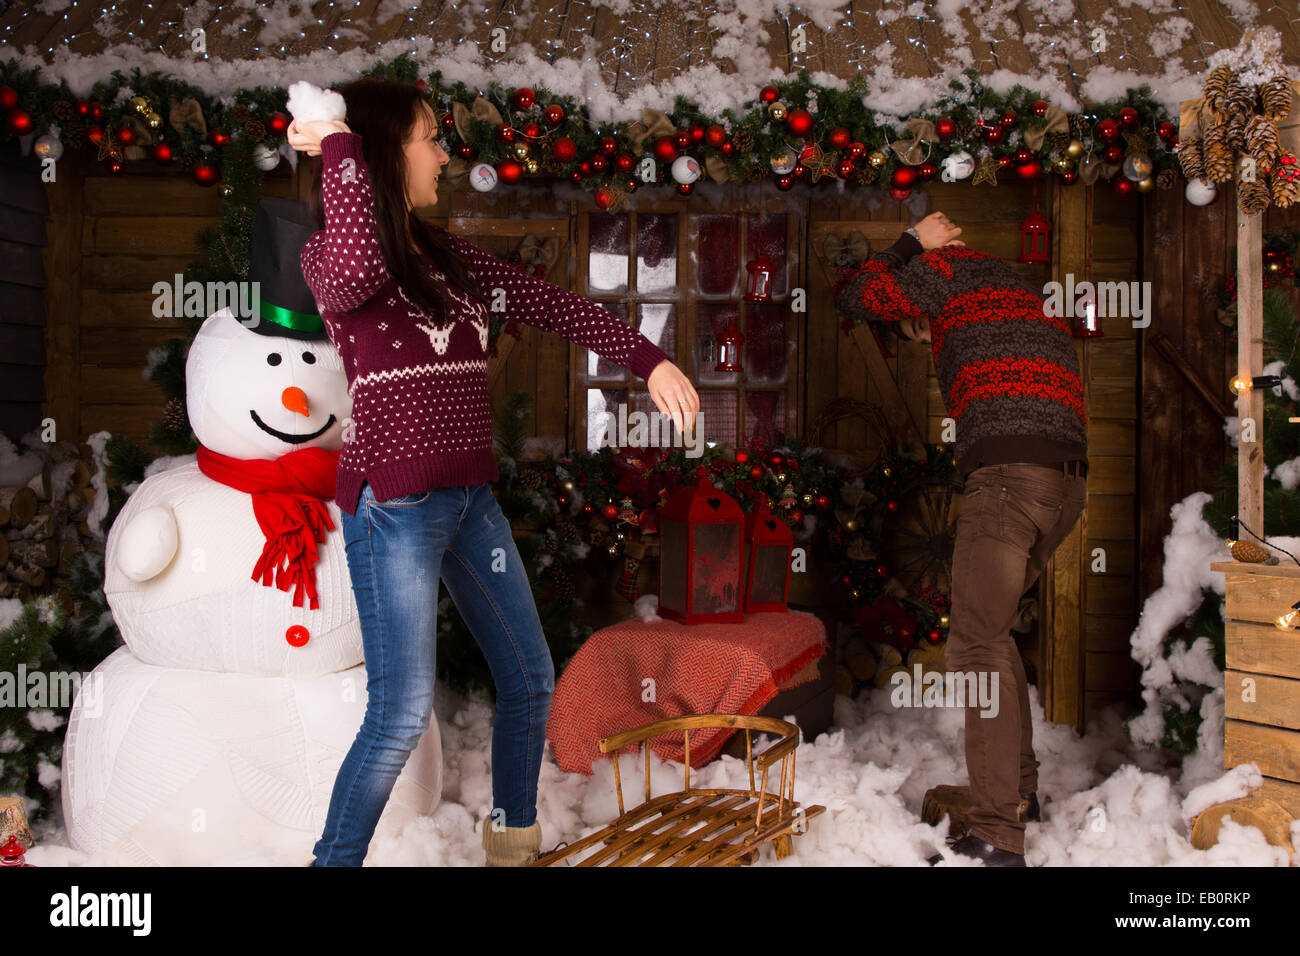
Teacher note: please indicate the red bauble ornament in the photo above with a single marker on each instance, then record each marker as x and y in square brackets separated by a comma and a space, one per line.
[927, 171]
[278, 123]
[685, 189]
[217, 138]
[844, 168]
[856, 150]
[799, 122]
[1108, 130]
[1114, 153]
[1166, 130]
[682, 139]
[1040, 107]
[727, 148]
[599, 163]
[608, 145]
[839, 137]
[584, 167]
[19, 121]
[945, 126]
[624, 162]
[742, 457]
[531, 130]
[1004, 162]
[993, 134]
[697, 132]
[604, 196]
[83, 107]
[935, 635]
[94, 135]
[125, 135]
[448, 122]
[205, 174]
[715, 136]
[1070, 178]
[1024, 154]
[899, 194]
[768, 93]
[785, 183]
[610, 512]
[800, 171]
[1029, 171]
[510, 171]
[1129, 118]
[665, 149]
[96, 112]
[554, 114]
[1124, 186]
[467, 150]
[565, 150]
[162, 153]
[1009, 118]
[576, 176]
[904, 178]
[506, 133]
[524, 97]
[8, 97]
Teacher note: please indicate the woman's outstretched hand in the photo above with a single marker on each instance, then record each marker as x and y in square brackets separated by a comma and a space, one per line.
[306, 137]
[937, 230]
[673, 393]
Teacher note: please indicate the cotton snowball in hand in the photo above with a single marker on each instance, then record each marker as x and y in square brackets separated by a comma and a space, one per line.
[309, 103]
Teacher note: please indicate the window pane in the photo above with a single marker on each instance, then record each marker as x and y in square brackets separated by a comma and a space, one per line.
[607, 259]
[656, 253]
[767, 234]
[718, 413]
[659, 324]
[764, 348]
[765, 417]
[717, 252]
[711, 319]
[601, 368]
[602, 416]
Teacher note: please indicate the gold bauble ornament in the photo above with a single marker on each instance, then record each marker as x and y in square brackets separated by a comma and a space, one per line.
[943, 620]
[521, 151]
[154, 120]
[851, 525]
[887, 472]
[1063, 165]
[781, 477]
[807, 500]
[777, 110]
[855, 593]
[530, 166]
[876, 159]
[139, 104]
[1074, 150]
[1146, 185]
[568, 486]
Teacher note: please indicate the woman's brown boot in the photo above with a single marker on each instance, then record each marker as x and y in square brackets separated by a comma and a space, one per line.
[511, 846]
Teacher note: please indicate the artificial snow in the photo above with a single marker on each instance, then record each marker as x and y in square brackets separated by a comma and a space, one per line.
[310, 104]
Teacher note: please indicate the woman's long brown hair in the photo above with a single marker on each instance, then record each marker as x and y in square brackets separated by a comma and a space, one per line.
[384, 113]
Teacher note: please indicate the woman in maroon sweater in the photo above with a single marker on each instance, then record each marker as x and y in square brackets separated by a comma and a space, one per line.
[406, 304]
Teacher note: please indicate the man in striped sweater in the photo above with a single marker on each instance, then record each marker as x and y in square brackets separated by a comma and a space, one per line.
[1011, 383]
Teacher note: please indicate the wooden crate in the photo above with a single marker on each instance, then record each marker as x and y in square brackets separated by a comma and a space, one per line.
[1261, 699]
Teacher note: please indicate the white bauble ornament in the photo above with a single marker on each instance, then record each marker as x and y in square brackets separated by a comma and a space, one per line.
[1200, 193]
[49, 146]
[685, 169]
[483, 177]
[783, 163]
[957, 166]
[147, 746]
[265, 158]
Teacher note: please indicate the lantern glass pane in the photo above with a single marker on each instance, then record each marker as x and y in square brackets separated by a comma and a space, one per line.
[715, 579]
[767, 234]
[608, 256]
[672, 565]
[656, 253]
[711, 319]
[769, 574]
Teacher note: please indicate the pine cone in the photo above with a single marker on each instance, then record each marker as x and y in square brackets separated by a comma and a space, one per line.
[530, 478]
[174, 418]
[563, 586]
[568, 533]
[1286, 189]
[240, 113]
[551, 543]
[1275, 95]
[1190, 158]
[1241, 98]
[1252, 197]
[744, 140]
[1248, 552]
[1218, 160]
[864, 175]
[62, 109]
[1216, 88]
[74, 136]
[1235, 135]
[1166, 179]
[255, 130]
[1261, 140]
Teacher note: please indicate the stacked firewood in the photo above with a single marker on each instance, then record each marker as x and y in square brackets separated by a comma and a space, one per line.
[43, 528]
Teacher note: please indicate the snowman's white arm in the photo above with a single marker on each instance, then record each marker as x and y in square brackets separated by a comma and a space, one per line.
[147, 543]
[342, 264]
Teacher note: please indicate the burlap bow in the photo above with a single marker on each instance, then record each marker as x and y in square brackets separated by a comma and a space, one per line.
[545, 248]
[143, 138]
[653, 124]
[716, 167]
[187, 113]
[480, 109]
[1058, 121]
[916, 150]
[1090, 167]
[841, 251]
[456, 171]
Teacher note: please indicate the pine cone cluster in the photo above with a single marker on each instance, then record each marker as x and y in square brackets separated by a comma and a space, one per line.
[1166, 179]
[1286, 190]
[174, 418]
[530, 478]
[744, 140]
[1216, 89]
[240, 113]
[255, 130]
[1252, 196]
[563, 585]
[1190, 158]
[1217, 159]
[1275, 96]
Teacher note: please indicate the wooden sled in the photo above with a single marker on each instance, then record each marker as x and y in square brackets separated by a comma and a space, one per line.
[695, 827]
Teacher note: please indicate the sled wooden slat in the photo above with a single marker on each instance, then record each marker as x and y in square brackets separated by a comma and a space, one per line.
[698, 827]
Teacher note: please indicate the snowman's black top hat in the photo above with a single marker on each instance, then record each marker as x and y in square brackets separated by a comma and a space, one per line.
[285, 304]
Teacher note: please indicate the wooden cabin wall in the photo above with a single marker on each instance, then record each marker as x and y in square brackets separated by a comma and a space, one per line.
[22, 300]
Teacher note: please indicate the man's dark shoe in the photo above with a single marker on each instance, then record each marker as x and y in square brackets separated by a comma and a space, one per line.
[1029, 812]
[972, 846]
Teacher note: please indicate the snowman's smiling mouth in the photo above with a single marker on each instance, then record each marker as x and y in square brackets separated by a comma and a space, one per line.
[286, 436]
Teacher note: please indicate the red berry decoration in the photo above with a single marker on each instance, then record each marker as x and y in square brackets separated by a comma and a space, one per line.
[524, 98]
[19, 121]
[608, 145]
[1114, 153]
[768, 93]
[899, 194]
[125, 135]
[162, 153]
[799, 122]
[278, 123]
[218, 139]
[844, 168]
[510, 171]
[565, 150]
[554, 114]
[904, 178]
[665, 149]
[506, 133]
[1040, 107]
[927, 171]
[715, 136]
[1129, 118]
[8, 97]
[1108, 130]
[205, 174]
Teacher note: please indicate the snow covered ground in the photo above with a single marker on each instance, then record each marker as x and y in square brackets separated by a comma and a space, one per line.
[1107, 803]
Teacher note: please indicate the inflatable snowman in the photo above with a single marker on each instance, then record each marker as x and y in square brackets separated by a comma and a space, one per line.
[215, 734]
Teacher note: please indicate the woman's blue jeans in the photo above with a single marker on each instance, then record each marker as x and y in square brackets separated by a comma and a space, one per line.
[397, 551]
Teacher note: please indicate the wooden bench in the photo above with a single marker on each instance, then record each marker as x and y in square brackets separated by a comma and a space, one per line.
[698, 827]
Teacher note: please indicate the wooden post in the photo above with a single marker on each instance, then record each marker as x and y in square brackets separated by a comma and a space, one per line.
[1250, 363]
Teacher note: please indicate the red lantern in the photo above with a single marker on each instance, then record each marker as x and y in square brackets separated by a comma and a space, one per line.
[760, 279]
[13, 853]
[701, 554]
[768, 545]
[1034, 233]
[729, 340]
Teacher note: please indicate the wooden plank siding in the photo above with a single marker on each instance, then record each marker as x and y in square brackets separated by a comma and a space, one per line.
[23, 279]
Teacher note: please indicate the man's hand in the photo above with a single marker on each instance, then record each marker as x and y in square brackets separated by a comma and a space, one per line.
[937, 230]
[673, 392]
[305, 138]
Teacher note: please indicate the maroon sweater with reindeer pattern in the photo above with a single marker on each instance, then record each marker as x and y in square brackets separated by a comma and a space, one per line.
[421, 413]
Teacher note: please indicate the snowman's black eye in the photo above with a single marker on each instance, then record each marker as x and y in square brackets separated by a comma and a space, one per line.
[309, 358]
[273, 359]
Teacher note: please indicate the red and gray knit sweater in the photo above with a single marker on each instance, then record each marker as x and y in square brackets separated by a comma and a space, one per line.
[1007, 369]
[421, 413]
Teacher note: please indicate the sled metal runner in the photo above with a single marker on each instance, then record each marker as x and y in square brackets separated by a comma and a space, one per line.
[698, 827]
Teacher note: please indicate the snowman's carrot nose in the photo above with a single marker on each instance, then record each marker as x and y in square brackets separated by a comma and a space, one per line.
[295, 399]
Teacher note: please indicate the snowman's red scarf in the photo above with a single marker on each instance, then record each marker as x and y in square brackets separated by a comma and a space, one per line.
[289, 495]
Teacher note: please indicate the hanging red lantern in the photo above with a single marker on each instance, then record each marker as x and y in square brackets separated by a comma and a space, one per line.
[768, 546]
[1034, 233]
[729, 340]
[760, 279]
[701, 555]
